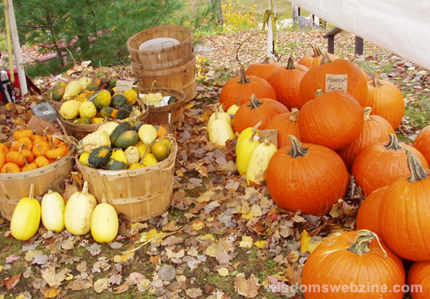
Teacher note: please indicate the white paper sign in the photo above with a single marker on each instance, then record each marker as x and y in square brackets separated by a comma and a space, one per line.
[122, 85]
[336, 82]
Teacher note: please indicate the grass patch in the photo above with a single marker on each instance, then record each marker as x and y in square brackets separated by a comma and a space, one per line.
[47, 68]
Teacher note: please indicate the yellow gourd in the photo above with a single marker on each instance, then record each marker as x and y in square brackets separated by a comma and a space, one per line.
[147, 134]
[108, 127]
[73, 88]
[52, 209]
[83, 158]
[70, 109]
[256, 172]
[149, 160]
[85, 82]
[78, 211]
[135, 165]
[219, 114]
[104, 222]
[141, 147]
[233, 108]
[25, 217]
[87, 109]
[245, 134]
[131, 96]
[244, 153]
[132, 155]
[93, 141]
[220, 131]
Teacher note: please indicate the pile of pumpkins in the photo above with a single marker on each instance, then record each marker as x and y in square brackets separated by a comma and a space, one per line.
[326, 135]
[126, 145]
[29, 151]
[88, 102]
[79, 215]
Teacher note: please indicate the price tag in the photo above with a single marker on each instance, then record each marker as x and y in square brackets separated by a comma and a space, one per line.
[38, 125]
[271, 134]
[123, 85]
[336, 82]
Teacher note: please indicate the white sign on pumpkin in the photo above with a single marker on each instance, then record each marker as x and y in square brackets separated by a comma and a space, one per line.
[336, 82]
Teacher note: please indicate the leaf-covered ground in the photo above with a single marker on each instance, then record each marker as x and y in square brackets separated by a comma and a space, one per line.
[220, 238]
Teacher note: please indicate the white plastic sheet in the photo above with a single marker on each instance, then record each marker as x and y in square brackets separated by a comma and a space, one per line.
[398, 26]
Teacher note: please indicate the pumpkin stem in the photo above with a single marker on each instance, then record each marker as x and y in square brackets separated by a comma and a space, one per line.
[394, 143]
[367, 111]
[254, 103]
[319, 92]
[296, 148]
[31, 194]
[325, 59]
[294, 116]
[376, 82]
[243, 79]
[290, 65]
[317, 51]
[417, 171]
[266, 60]
[85, 187]
[362, 241]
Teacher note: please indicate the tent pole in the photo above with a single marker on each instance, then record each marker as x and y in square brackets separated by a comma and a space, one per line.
[16, 48]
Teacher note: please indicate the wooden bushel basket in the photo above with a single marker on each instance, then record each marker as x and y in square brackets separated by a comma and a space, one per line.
[139, 194]
[14, 186]
[170, 114]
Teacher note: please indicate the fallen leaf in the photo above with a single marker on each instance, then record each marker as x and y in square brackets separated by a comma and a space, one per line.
[246, 287]
[305, 240]
[11, 282]
[121, 289]
[11, 258]
[79, 284]
[52, 292]
[194, 293]
[198, 225]
[223, 272]
[246, 242]
[261, 244]
[52, 278]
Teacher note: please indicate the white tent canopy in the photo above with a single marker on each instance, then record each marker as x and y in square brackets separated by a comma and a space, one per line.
[398, 26]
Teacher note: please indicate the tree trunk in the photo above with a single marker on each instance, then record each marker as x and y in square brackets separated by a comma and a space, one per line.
[219, 10]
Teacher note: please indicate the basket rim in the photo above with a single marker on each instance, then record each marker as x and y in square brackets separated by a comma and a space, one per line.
[166, 91]
[187, 41]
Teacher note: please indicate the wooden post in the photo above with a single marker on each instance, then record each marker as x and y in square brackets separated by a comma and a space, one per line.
[330, 44]
[295, 10]
[16, 48]
[358, 45]
[270, 32]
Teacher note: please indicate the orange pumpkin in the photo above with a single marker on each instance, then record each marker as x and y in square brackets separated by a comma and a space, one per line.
[29, 166]
[2, 160]
[41, 161]
[250, 113]
[419, 280]
[19, 133]
[28, 154]
[367, 216]
[243, 87]
[422, 142]
[40, 148]
[263, 70]
[315, 58]
[286, 124]
[286, 83]
[3, 149]
[10, 167]
[15, 157]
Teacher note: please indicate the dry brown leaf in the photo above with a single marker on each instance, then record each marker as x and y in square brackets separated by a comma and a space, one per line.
[79, 284]
[121, 289]
[52, 278]
[52, 292]
[246, 287]
[101, 284]
[198, 225]
[11, 282]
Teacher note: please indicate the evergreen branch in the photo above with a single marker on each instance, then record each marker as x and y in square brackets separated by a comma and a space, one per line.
[46, 26]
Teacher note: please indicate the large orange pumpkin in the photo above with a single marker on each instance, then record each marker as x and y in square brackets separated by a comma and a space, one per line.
[367, 216]
[315, 79]
[386, 100]
[349, 261]
[250, 113]
[243, 87]
[286, 124]
[315, 58]
[263, 70]
[333, 119]
[308, 177]
[375, 130]
[379, 165]
[422, 143]
[419, 280]
[286, 83]
[404, 213]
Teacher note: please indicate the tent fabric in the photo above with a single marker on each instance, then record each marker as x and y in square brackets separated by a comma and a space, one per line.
[399, 26]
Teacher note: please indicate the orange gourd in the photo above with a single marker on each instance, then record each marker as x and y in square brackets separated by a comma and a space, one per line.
[15, 157]
[41, 161]
[29, 166]
[10, 167]
[315, 58]
[2, 160]
[18, 134]
[3, 149]
[40, 148]
[28, 154]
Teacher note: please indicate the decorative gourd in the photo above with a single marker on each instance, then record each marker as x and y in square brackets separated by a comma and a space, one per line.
[85, 82]
[42, 161]
[256, 171]
[386, 100]
[25, 217]
[315, 58]
[403, 213]
[367, 216]
[126, 139]
[419, 279]
[375, 130]
[83, 158]
[101, 98]
[220, 131]
[131, 96]
[87, 109]
[315, 79]
[286, 83]
[73, 88]
[70, 109]
[308, 177]
[123, 112]
[263, 70]
[221, 114]
[244, 153]
[117, 160]
[109, 112]
[104, 222]
[353, 259]
[15, 157]
[52, 209]
[121, 128]
[422, 143]
[233, 108]
[100, 156]
[160, 150]
[147, 134]
[108, 127]
[250, 113]
[57, 93]
[93, 141]
[333, 119]
[10, 167]
[148, 160]
[379, 165]
[132, 155]
[28, 166]
[83, 121]
[136, 126]
[246, 134]
[286, 124]
[243, 87]
[118, 100]
[19, 133]
[78, 211]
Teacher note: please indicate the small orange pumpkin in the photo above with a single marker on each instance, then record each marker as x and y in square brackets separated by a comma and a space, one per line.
[18, 134]
[42, 161]
[10, 167]
[15, 157]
